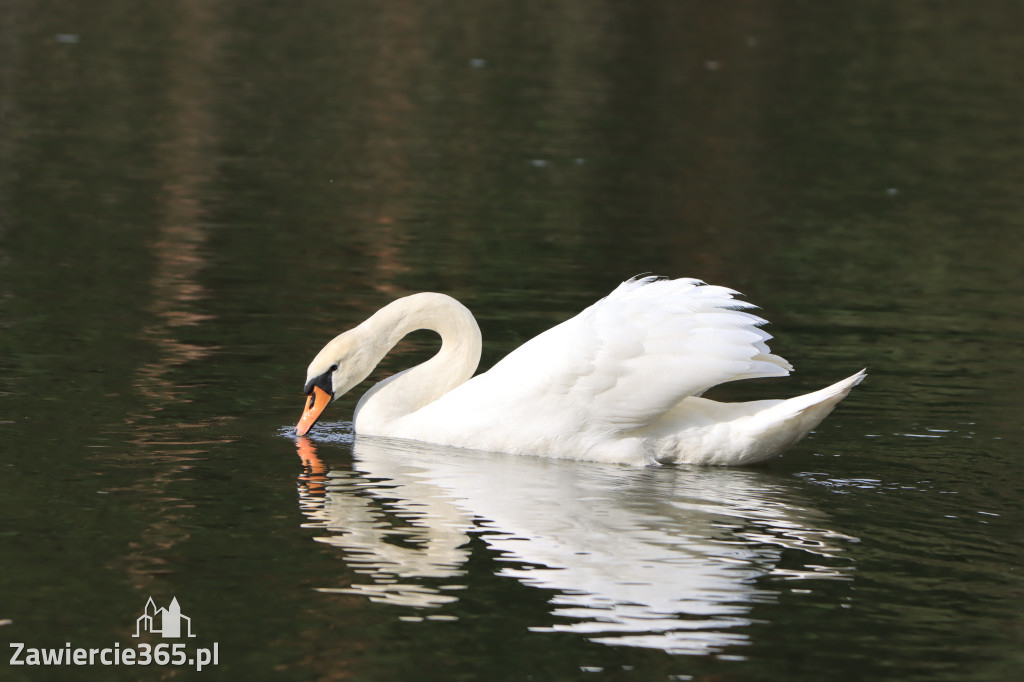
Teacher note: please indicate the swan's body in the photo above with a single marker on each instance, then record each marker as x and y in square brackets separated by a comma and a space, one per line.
[620, 382]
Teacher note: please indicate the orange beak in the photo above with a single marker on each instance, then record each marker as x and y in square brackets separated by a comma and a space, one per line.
[318, 400]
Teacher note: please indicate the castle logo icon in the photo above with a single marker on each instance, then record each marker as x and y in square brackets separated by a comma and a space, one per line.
[166, 622]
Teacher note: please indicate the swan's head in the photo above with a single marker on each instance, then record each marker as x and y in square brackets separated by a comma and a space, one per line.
[335, 369]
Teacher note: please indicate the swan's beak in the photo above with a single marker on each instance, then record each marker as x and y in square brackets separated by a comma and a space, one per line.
[318, 400]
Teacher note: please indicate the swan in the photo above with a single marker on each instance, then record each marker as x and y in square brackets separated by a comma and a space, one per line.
[621, 382]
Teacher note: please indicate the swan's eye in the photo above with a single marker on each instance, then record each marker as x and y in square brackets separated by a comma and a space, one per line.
[333, 369]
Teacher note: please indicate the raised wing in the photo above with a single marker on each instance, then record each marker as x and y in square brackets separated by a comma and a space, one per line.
[629, 358]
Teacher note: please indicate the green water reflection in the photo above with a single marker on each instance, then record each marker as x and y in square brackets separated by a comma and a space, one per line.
[194, 196]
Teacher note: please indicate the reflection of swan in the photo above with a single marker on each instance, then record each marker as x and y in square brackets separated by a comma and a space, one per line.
[660, 558]
[617, 383]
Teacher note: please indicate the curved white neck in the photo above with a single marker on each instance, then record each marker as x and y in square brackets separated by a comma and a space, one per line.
[408, 391]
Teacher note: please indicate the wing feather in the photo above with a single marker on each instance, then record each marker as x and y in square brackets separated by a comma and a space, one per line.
[632, 356]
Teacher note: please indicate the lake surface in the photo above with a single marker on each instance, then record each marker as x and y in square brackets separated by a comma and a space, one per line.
[195, 196]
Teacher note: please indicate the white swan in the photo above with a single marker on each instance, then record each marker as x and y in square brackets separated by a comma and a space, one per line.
[620, 382]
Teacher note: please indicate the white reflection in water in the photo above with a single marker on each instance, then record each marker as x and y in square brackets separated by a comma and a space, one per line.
[661, 557]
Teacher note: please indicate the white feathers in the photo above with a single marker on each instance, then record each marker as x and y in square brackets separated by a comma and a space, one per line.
[619, 382]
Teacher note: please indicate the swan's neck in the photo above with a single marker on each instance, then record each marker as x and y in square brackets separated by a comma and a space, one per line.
[408, 391]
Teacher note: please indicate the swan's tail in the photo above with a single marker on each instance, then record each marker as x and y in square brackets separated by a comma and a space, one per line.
[790, 420]
[709, 432]
[819, 403]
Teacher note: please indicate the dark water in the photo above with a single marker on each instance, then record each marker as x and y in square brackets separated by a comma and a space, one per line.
[194, 196]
